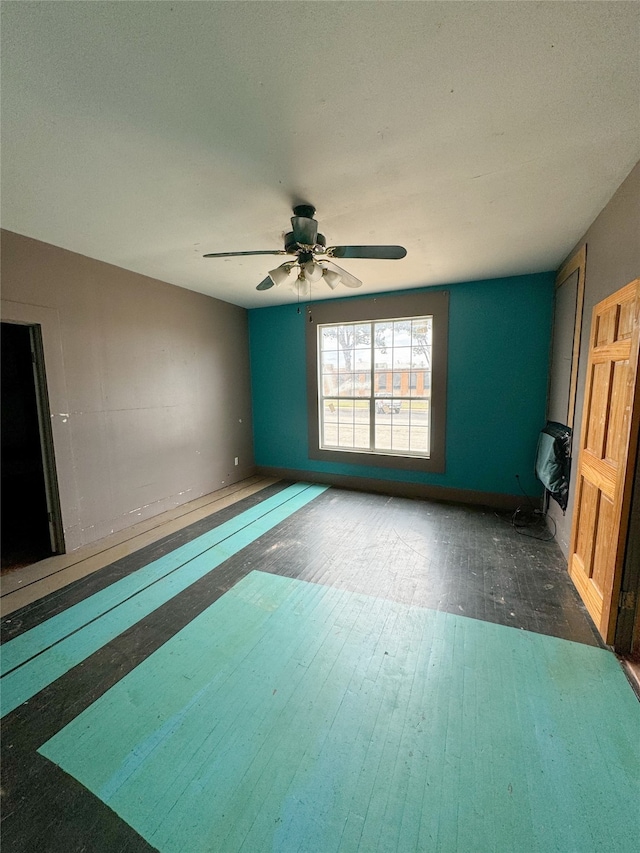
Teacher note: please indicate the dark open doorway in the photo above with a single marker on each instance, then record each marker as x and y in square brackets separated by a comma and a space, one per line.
[29, 496]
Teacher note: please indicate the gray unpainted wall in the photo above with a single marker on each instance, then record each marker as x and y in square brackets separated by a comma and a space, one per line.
[613, 260]
[149, 385]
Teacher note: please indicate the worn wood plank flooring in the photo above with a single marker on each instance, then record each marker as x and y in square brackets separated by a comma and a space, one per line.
[368, 673]
[20, 588]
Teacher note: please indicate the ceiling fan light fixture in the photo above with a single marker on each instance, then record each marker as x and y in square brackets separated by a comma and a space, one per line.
[280, 274]
[312, 271]
[331, 278]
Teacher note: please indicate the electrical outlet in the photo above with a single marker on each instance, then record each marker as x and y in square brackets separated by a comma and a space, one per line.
[236, 460]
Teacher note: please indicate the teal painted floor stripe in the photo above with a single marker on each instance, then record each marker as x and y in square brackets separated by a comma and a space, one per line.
[292, 716]
[25, 646]
[39, 671]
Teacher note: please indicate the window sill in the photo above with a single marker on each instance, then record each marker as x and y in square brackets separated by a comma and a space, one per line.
[379, 460]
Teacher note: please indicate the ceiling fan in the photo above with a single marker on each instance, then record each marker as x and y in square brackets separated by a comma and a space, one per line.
[312, 257]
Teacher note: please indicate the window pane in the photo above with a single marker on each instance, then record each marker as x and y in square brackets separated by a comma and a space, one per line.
[421, 343]
[421, 388]
[362, 385]
[381, 380]
[361, 410]
[330, 423]
[401, 333]
[383, 335]
[382, 359]
[419, 441]
[416, 383]
[346, 384]
[390, 357]
[328, 361]
[420, 426]
[363, 336]
[420, 357]
[361, 425]
[419, 412]
[421, 332]
[345, 359]
[329, 384]
[328, 338]
[345, 435]
[345, 423]
[400, 434]
[401, 358]
[383, 436]
[399, 425]
[402, 426]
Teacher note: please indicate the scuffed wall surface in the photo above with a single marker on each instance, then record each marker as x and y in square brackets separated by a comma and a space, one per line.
[149, 385]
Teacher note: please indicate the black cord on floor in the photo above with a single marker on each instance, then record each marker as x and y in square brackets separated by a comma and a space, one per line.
[526, 523]
[531, 522]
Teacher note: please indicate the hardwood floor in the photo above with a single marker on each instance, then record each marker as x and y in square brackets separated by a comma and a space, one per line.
[317, 669]
[34, 581]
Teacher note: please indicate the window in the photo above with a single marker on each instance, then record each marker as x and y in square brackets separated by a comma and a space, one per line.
[377, 380]
[353, 414]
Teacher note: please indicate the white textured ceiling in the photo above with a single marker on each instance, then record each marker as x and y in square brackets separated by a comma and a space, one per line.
[485, 137]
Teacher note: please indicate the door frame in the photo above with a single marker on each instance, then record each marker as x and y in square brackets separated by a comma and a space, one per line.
[611, 603]
[627, 631]
[577, 263]
[54, 514]
[55, 413]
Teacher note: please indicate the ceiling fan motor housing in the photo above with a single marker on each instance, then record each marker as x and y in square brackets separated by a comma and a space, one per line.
[291, 246]
[307, 211]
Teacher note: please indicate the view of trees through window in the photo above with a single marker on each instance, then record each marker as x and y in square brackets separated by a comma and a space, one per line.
[375, 386]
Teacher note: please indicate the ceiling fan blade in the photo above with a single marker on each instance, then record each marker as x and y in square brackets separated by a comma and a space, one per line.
[305, 230]
[347, 279]
[234, 254]
[391, 253]
[265, 284]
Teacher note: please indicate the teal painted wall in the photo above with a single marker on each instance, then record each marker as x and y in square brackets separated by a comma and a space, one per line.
[499, 334]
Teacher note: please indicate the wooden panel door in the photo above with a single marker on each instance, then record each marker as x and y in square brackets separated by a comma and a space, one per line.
[608, 444]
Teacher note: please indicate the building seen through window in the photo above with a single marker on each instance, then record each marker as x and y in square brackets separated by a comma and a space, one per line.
[375, 386]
